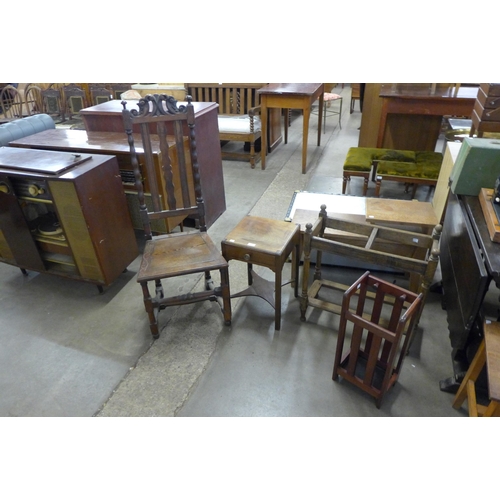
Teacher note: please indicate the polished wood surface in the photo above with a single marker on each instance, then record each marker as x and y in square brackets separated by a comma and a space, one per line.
[107, 117]
[290, 96]
[268, 243]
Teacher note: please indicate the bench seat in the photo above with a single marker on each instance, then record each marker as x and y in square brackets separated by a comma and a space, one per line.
[361, 162]
[239, 115]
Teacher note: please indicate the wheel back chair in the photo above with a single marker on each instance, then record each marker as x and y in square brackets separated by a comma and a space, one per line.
[181, 253]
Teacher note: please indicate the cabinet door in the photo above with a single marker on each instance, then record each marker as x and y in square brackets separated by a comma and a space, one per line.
[15, 230]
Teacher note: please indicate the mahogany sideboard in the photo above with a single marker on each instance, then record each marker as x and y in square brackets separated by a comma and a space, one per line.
[107, 117]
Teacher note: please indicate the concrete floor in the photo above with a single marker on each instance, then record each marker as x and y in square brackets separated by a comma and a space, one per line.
[68, 351]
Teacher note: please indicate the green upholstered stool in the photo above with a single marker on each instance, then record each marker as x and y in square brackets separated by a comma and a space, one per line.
[361, 162]
[358, 163]
[425, 171]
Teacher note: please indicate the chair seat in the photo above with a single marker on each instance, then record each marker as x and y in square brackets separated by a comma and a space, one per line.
[173, 254]
[238, 124]
[328, 96]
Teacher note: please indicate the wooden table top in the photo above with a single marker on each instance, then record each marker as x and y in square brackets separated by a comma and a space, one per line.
[383, 210]
[290, 88]
[424, 91]
[114, 107]
[81, 140]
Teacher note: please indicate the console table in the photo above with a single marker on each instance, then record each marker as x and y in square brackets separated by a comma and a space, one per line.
[290, 96]
[107, 117]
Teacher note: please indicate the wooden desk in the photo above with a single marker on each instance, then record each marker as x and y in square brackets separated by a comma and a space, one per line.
[409, 116]
[290, 96]
[107, 117]
[109, 143]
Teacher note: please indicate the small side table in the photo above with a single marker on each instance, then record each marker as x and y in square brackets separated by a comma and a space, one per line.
[268, 243]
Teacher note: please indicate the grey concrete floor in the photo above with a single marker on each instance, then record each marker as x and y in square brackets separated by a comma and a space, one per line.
[66, 350]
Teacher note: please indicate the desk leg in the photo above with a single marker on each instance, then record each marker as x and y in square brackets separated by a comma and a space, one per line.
[321, 99]
[263, 140]
[286, 117]
[306, 114]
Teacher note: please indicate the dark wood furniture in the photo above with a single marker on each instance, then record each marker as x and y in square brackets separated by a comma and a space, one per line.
[466, 278]
[111, 143]
[106, 117]
[183, 253]
[290, 96]
[409, 116]
[269, 243]
[379, 334]
[486, 112]
[53, 103]
[99, 94]
[74, 100]
[488, 354]
[64, 214]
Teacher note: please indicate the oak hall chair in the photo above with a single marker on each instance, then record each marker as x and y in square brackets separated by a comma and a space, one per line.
[178, 253]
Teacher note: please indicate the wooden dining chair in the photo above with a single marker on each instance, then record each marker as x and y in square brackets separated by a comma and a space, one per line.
[52, 103]
[74, 99]
[180, 253]
[11, 103]
[99, 94]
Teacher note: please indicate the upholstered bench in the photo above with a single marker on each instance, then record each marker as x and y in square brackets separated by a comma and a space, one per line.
[17, 129]
[425, 171]
[359, 162]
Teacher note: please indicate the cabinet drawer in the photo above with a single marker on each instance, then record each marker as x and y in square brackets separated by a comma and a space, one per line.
[490, 89]
[488, 102]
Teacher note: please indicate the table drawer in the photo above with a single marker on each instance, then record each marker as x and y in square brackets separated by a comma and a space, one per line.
[248, 255]
[490, 89]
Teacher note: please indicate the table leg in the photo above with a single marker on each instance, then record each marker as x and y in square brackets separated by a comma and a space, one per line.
[277, 297]
[305, 129]
[263, 140]
[321, 99]
[286, 116]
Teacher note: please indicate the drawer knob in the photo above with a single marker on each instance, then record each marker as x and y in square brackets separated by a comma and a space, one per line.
[246, 257]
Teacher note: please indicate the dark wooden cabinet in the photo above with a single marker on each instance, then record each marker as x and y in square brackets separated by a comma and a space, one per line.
[64, 214]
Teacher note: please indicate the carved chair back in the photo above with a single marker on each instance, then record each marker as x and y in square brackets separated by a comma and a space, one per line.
[164, 125]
